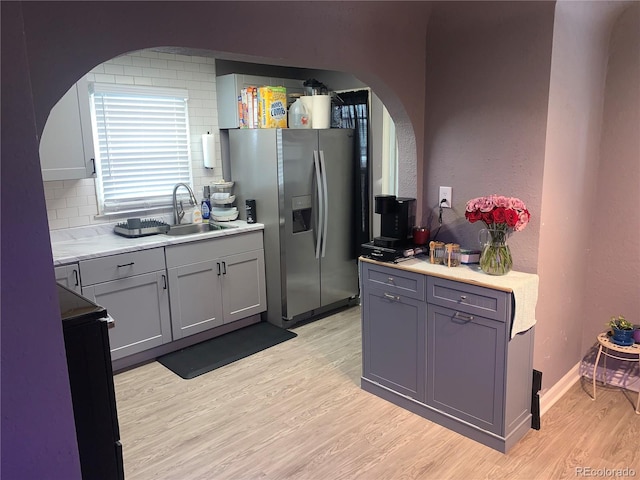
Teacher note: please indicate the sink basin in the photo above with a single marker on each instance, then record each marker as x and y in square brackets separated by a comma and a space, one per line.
[191, 228]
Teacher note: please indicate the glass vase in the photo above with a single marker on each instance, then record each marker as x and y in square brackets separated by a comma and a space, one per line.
[495, 258]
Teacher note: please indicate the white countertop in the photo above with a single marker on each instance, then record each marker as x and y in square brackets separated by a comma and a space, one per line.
[75, 244]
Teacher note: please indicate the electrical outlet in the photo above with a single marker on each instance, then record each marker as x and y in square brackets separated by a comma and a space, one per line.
[445, 194]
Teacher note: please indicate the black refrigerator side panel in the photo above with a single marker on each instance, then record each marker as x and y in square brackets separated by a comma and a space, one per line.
[94, 402]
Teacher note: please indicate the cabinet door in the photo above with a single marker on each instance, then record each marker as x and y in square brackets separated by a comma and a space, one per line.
[394, 341]
[196, 299]
[139, 306]
[66, 146]
[69, 276]
[243, 286]
[465, 366]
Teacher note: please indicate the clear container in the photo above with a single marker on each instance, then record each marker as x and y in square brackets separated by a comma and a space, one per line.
[451, 255]
[436, 252]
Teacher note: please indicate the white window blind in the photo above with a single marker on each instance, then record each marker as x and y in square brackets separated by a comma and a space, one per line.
[142, 145]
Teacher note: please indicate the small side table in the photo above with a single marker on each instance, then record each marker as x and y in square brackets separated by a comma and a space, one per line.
[608, 349]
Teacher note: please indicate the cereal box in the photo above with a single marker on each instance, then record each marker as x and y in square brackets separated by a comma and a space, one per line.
[272, 107]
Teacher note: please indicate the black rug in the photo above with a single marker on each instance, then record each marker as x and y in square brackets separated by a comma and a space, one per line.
[225, 349]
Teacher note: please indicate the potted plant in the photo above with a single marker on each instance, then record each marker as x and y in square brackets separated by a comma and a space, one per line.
[622, 330]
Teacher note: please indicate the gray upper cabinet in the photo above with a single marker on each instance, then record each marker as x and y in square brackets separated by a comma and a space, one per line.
[229, 87]
[214, 282]
[66, 146]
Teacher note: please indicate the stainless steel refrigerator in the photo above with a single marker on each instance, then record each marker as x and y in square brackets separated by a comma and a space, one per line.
[303, 185]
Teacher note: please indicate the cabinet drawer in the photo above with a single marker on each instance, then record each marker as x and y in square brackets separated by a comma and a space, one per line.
[195, 252]
[482, 301]
[393, 280]
[113, 267]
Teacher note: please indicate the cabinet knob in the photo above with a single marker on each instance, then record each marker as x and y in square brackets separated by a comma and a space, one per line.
[463, 298]
[390, 280]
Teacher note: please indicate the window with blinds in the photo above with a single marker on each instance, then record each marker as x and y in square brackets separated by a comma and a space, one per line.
[141, 137]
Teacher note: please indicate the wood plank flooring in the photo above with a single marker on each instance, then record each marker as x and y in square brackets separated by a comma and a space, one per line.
[296, 411]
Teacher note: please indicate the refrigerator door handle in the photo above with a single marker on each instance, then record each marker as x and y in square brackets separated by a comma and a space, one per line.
[323, 169]
[316, 164]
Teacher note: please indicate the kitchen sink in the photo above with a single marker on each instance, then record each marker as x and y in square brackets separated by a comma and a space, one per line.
[191, 228]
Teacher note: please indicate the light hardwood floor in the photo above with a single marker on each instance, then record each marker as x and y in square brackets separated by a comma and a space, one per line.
[296, 411]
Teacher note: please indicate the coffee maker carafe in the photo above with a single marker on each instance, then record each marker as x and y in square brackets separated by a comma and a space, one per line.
[397, 218]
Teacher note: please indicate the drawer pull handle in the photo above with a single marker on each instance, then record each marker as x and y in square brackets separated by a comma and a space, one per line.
[164, 282]
[75, 274]
[218, 263]
[125, 265]
[224, 268]
[392, 297]
[390, 280]
[462, 316]
[463, 298]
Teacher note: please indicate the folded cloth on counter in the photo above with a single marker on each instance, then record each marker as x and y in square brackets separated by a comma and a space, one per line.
[526, 296]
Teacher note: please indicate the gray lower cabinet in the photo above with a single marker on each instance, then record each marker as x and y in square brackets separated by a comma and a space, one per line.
[133, 288]
[465, 367]
[441, 348]
[69, 276]
[393, 341]
[214, 282]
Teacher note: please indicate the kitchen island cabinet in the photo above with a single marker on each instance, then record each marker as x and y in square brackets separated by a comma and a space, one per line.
[133, 288]
[474, 373]
[215, 282]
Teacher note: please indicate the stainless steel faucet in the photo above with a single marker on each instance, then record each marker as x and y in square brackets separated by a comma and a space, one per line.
[179, 213]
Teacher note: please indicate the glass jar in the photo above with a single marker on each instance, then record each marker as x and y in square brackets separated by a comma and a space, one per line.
[436, 252]
[452, 255]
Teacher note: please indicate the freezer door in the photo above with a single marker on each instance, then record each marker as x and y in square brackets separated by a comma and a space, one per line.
[299, 221]
[338, 265]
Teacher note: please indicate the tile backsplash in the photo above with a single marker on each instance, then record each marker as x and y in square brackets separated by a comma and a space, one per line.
[73, 203]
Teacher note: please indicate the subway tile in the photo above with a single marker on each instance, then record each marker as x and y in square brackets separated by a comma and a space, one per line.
[80, 221]
[149, 54]
[124, 80]
[114, 69]
[122, 60]
[175, 65]
[88, 210]
[182, 75]
[133, 71]
[141, 62]
[64, 192]
[67, 212]
[104, 78]
[97, 69]
[166, 56]
[142, 81]
[159, 63]
[193, 67]
[58, 223]
[150, 72]
[76, 201]
[161, 82]
[55, 203]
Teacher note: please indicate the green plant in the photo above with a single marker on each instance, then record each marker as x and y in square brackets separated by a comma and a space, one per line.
[620, 323]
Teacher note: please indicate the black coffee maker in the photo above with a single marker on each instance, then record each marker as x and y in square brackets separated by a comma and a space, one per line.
[397, 219]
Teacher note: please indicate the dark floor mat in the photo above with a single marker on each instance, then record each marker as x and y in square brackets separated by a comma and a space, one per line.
[217, 352]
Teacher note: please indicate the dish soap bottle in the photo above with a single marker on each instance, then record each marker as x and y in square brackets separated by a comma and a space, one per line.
[205, 206]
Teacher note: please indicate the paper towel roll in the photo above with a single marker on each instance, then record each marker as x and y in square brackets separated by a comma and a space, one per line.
[321, 111]
[209, 151]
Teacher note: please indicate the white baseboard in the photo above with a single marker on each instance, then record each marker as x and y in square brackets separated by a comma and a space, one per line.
[554, 394]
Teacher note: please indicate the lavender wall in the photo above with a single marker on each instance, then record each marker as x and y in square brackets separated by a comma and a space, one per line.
[577, 84]
[613, 234]
[486, 102]
[38, 433]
